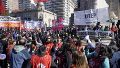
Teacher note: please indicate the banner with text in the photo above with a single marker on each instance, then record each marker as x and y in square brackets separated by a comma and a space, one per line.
[91, 16]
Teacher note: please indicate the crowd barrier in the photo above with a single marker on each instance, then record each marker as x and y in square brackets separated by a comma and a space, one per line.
[92, 34]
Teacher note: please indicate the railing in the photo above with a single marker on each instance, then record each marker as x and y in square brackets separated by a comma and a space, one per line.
[93, 34]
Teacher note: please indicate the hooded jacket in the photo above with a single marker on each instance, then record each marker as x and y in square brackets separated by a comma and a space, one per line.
[18, 55]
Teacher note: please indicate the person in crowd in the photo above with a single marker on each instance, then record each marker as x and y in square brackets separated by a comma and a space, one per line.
[101, 28]
[79, 61]
[59, 43]
[114, 29]
[41, 59]
[19, 54]
[79, 57]
[101, 60]
[106, 28]
[112, 47]
[11, 44]
[3, 46]
[115, 60]
[53, 54]
[49, 44]
[97, 27]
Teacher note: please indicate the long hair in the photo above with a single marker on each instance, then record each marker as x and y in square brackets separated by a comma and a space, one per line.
[80, 61]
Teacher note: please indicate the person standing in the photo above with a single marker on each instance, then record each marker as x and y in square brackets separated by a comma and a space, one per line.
[41, 59]
[19, 55]
[3, 46]
[114, 29]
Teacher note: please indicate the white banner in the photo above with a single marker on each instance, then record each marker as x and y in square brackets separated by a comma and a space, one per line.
[8, 18]
[91, 16]
[33, 24]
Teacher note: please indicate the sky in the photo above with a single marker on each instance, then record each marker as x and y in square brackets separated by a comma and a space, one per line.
[101, 4]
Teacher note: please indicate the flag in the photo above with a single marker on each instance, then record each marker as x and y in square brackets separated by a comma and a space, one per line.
[60, 20]
[2, 8]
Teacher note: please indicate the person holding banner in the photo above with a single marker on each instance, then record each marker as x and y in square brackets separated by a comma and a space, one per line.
[97, 27]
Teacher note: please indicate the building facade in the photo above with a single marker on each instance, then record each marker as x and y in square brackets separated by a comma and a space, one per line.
[35, 15]
[24, 5]
[4, 3]
[11, 5]
[63, 8]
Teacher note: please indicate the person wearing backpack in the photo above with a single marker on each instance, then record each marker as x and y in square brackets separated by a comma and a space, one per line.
[115, 60]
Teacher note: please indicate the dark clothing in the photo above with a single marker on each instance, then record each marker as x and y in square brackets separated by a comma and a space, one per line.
[5, 44]
[3, 63]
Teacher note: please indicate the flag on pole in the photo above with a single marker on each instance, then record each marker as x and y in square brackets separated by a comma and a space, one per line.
[2, 8]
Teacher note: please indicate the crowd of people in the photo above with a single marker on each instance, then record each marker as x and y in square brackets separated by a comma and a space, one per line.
[40, 49]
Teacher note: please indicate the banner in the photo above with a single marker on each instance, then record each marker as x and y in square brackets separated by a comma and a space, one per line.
[10, 24]
[91, 16]
[57, 24]
[33, 24]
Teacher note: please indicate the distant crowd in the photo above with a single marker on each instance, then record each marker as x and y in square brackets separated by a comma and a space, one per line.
[60, 49]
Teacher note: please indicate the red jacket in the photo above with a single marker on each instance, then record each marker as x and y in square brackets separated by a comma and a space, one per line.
[114, 28]
[41, 62]
[49, 47]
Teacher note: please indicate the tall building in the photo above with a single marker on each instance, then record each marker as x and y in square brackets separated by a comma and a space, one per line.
[2, 8]
[63, 8]
[38, 14]
[12, 5]
[4, 2]
[24, 5]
